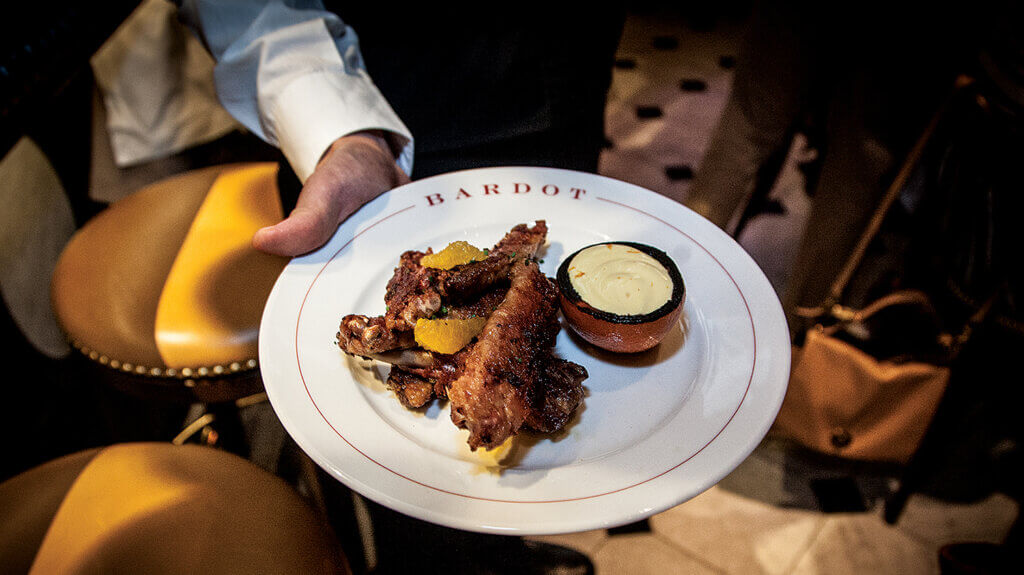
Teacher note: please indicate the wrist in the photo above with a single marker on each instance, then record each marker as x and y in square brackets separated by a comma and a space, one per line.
[379, 138]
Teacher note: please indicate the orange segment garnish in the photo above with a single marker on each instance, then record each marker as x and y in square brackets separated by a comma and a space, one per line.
[447, 335]
[456, 254]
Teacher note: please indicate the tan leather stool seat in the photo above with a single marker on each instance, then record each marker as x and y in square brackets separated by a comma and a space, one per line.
[159, 508]
[163, 291]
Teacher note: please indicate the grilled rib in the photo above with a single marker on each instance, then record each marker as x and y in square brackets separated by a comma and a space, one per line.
[415, 291]
[494, 393]
[508, 378]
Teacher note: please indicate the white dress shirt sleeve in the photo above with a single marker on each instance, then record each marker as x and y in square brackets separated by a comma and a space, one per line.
[291, 72]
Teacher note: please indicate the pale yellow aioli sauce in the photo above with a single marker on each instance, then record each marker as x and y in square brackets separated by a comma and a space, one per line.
[620, 279]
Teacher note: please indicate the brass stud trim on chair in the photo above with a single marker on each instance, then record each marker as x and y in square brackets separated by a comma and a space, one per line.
[185, 374]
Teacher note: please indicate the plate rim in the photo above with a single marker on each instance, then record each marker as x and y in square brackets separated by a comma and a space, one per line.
[417, 510]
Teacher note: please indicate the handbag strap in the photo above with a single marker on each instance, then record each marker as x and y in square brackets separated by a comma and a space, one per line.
[901, 297]
[958, 341]
[953, 342]
[875, 223]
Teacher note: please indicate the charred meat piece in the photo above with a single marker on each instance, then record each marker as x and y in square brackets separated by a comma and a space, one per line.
[415, 291]
[411, 293]
[416, 381]
[508, 378]
[366, 336]
[412, 390]
[522, 239]
[495, 392]
[467, 280]
[481, 306]
[558, 396]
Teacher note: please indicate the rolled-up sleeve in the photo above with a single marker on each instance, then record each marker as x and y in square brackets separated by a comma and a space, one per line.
[291, 72]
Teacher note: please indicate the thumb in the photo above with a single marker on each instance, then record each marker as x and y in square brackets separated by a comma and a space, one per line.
[356, 169]
[304, 230]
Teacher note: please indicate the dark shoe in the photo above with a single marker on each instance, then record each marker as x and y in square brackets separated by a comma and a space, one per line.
[548, 559]
[404, 545]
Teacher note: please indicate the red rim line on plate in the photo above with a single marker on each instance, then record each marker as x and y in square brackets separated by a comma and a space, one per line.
[495, 500]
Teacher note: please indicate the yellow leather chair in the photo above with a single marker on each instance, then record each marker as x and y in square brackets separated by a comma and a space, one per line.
[157, 508]
[162, 293]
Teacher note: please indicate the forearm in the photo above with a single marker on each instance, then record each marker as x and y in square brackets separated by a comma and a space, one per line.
[293, 76]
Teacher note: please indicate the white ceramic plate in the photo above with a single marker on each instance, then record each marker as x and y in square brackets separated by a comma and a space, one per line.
[656, 428]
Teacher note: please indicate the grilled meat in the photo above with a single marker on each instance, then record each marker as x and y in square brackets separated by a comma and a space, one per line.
[508, 378]
[495, 391]
[415, 291]
[558, 395]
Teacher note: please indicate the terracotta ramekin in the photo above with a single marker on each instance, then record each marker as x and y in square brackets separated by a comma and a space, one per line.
[616, 332]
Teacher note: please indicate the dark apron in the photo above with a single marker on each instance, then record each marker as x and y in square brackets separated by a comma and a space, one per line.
[483, 87]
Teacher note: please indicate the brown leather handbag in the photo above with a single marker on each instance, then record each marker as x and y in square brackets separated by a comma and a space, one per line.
[846, 402]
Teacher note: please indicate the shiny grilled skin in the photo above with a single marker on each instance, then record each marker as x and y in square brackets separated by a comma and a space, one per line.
[415, 291]
[503, 372]
[508, 378]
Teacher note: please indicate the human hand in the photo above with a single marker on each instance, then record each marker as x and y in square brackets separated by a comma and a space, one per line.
[356, 169]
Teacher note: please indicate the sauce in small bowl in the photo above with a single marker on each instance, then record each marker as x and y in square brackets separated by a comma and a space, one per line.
[621, 296]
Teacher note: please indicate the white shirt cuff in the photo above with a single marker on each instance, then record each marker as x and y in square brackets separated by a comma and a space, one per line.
[314, 110]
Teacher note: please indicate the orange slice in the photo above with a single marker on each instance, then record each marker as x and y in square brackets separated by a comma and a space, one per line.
[456, 254]
[447, 335]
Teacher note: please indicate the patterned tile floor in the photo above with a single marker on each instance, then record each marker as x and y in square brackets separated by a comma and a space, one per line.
[669, 86]
[725, 532]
